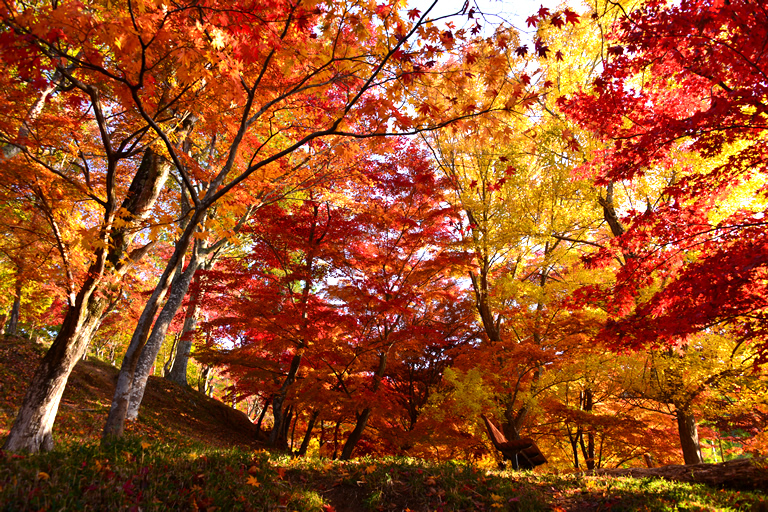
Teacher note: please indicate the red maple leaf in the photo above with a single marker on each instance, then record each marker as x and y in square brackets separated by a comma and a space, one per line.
[571, 17]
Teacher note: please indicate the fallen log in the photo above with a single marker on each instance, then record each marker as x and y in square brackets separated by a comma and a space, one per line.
[739, 474]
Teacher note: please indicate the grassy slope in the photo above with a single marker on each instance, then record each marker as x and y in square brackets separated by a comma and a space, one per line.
[189, 452]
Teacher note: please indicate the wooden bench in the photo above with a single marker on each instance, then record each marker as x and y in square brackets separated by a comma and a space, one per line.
[523, 453]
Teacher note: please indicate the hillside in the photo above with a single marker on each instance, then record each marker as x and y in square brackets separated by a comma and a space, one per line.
[169, 412]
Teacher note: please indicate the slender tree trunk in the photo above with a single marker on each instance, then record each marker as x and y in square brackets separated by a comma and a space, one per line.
[178, 371]
[13, 319]
[115, 424]
[202, 381]
[179, 287]
[276, 438]
[362, 418]
[587, 404]
[261, 415]
[171, 355]
[574, 440]
[308, 434]
[336, 439]
[689, 436]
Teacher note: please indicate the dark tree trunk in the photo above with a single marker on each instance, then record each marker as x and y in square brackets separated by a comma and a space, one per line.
[357, 433]
[261, 416]
[588, 450]
[308, 434]
[13, 320]
[573, 439]
[362, 418]
[336, 439]
[689, 436]
[276, 438]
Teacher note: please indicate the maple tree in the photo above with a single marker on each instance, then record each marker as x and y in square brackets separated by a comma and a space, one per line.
[393, 280]
[329, 283]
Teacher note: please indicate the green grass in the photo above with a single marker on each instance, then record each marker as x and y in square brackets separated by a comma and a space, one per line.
[136, 475]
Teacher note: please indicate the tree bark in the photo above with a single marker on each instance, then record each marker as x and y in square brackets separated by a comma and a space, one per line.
[261, 416]
[689, 436]
[276, 438]
[13, 319]
[202, 381]
[32, 429]
[115, 424]
[308, 434]
[588, 450]
[178, 371]
[356, 434]
[179, 287]
[362, 417]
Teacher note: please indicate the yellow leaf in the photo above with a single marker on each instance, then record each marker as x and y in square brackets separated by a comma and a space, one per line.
[371, 468]
[252, 480]
[145, 445]
[43, 476]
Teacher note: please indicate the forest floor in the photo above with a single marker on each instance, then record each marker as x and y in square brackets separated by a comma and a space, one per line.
[190, 452]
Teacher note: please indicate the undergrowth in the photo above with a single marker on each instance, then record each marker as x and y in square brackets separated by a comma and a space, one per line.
[134, 474]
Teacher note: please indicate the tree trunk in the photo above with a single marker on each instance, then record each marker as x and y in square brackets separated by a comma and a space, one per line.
[689, 436]
[33, 428]
[362, 418]
[279, 399]
[178, 371]
[179, 287]
[171, 355]
[13, 319]
[357, 433]
[573, 439]
[261, 416]
[587, 404]
[202, 381]
[308, 434]
[115, 424]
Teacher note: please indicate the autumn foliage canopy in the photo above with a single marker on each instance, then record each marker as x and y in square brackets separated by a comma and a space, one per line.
[368, 224]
